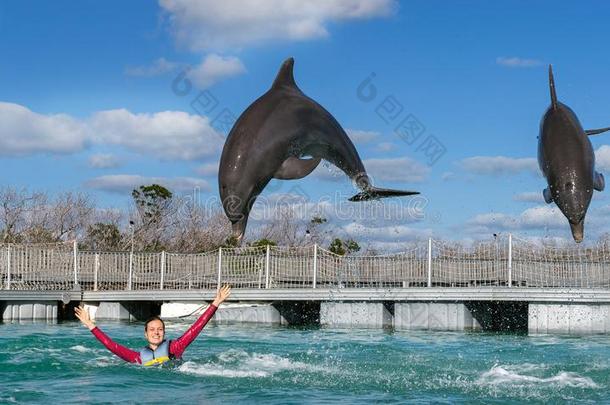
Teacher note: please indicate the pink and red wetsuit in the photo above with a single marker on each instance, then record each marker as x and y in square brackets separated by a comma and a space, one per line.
[176, 347]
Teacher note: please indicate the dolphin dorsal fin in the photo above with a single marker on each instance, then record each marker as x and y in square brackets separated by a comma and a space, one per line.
[285, 76]
[552, 88]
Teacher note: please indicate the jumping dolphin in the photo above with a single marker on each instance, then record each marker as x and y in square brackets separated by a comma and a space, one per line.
[270, 140]
[566, 159]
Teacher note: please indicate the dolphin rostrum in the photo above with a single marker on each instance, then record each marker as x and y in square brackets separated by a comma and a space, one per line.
[273, 137]
[566, 159]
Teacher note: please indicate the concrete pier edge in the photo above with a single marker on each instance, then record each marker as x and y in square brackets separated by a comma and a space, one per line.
[543, 313]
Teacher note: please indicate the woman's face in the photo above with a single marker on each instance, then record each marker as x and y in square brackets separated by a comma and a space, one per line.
[155, 332]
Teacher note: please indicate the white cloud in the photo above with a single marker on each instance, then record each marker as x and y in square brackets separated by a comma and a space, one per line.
[446, 176]
[159, 67]
[539, 217]
[493, 221]
[386, 233]
[24, 132]
[212, 24]
[103, 161]
[516, 61]
[499, 165]
[125, 183]
[359, 136]
[402, 170]
[208, 169]
[530, 196]
[329, 172]
[380, 225]
[386, 147]
[167, 135]
[215, 68]
[338, 210]
[602, 158]
[602, 211]
[545, 216]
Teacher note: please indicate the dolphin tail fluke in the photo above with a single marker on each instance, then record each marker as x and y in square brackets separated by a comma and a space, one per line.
[374, 193]
[596, 131]
[552, 88]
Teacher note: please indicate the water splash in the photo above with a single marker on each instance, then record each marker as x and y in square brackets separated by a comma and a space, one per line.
[511, 375]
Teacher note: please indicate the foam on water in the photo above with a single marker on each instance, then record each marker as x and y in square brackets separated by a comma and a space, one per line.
[239, 364]
[511, 375]
[6, 397]
[81, 349]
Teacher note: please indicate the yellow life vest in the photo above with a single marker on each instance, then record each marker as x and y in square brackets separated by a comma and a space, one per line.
[150, 357]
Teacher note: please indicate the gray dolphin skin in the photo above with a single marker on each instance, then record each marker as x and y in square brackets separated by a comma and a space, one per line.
[566, 159]
[273, 137]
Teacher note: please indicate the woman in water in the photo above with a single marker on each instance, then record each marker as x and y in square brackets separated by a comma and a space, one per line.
[158, 350]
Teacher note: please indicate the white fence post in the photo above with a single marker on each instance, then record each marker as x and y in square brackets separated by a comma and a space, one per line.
[219, 267]
[8, 267]
[315, 264]
[430, 262]
[260, 277]
[96, 269]
[162, 270]
[510, 260]
[130, 270]
[267, 263]
[75, 253]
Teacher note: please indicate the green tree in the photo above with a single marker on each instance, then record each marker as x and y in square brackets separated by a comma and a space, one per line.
[352, 246]
[340, 247]
[317, 220]
[40, 234]
[314, 228]
[336, 246]
[151, 202]
[263, 243]
[101, 236]
[231, 242]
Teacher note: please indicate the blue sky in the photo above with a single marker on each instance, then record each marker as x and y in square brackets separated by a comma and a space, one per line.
[86, 88]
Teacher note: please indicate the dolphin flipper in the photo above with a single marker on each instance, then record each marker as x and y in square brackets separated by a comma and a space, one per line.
[548, 197]
[598, 182]
[596, 131]
[295, 168]
[374, 193]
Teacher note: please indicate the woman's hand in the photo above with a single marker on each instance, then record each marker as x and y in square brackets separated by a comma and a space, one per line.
[222, 295]
[83, 316]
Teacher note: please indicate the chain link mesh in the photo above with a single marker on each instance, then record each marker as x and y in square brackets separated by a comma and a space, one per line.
[51, 267]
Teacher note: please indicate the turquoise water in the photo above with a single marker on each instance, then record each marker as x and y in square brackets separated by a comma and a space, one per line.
[63, 363]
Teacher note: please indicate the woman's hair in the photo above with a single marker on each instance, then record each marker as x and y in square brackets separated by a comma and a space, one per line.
[153, 318]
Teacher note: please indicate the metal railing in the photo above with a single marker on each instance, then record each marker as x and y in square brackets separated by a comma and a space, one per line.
[509, 261]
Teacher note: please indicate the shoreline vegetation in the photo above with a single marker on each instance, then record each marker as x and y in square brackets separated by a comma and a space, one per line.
[156, 219]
